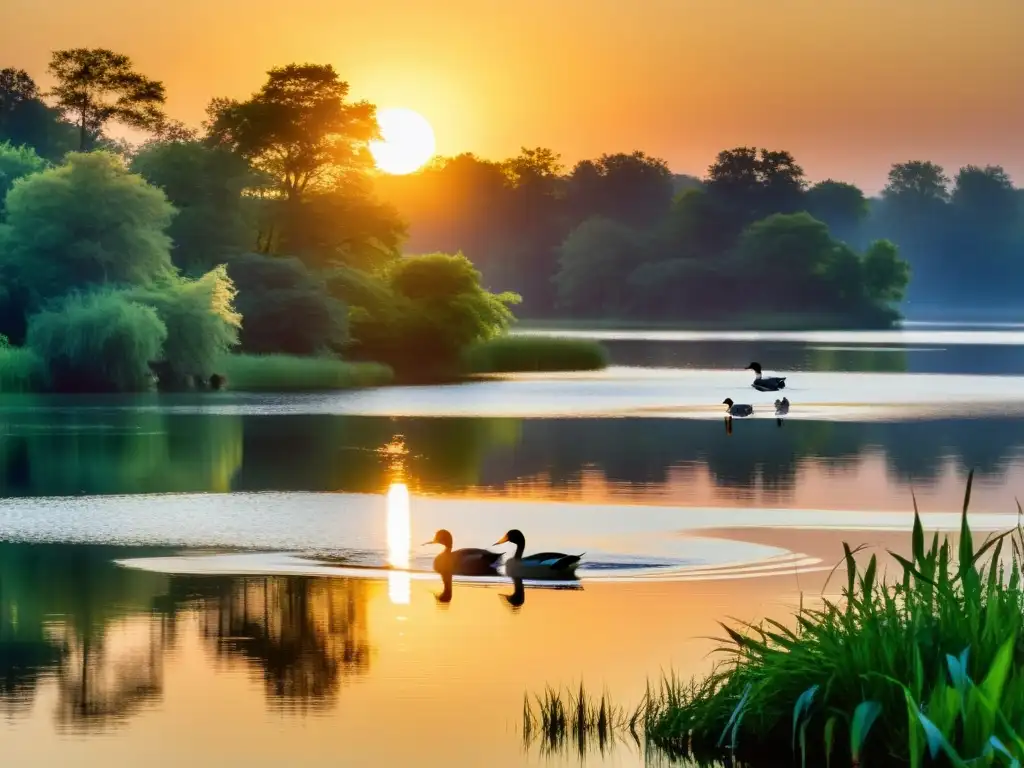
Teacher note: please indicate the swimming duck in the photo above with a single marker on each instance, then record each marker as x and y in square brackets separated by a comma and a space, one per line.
[768, 383]
[737, 409]
[543, 565]
[463, 562]
[782, 406]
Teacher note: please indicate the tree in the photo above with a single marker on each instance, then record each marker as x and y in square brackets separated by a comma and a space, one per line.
[985, 199]
[885, 274]
[206, 186]
[840, 205]
[96, 86]
[754, 183]
[594, 263]
[635, 189]
[286, 307]
[26, 121]
[917, 181]
[15, 163]
[89, 222]
[298, 128]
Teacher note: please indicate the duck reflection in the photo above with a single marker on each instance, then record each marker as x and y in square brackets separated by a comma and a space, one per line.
[518, 597]
[445, 595]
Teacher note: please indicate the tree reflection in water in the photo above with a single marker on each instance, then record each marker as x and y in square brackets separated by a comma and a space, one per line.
[305, 634]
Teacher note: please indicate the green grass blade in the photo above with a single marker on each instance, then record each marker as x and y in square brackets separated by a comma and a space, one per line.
[802, 704]
[863, 718]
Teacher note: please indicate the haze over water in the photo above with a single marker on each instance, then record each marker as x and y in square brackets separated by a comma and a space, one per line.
[229, 579]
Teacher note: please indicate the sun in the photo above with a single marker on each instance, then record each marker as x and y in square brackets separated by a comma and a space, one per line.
[407, 141]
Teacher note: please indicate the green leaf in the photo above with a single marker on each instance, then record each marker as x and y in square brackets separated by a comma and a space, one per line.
[937, 742]
[737, 714]
[863, 718]
[992, 686]
[830, 728]
[802, 704]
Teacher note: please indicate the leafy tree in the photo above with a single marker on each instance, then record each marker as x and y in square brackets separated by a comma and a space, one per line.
[205, 185]
[917, 181]
[840, 205]
[16, 88]
[885, 274]
[89, 222]
[96, 86]
[594, 263]
[98, 342]
[698, 226]
[26, 121]
[298, 128]
[15, 163]
[437, 309]
[201, 321]
[287, 308]
[754, 183]
[635, 189]
[985, 199]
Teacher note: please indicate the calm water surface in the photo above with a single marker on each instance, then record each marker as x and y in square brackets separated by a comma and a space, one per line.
[238, 580]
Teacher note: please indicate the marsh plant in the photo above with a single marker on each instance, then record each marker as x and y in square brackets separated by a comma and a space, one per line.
[926, 668]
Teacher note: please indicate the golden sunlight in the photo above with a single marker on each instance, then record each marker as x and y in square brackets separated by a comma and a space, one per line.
[399, 543]
[407, 141]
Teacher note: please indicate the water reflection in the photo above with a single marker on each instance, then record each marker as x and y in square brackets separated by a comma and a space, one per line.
[399, 543]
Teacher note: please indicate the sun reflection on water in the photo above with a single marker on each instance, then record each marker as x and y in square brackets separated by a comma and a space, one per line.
[399, 543]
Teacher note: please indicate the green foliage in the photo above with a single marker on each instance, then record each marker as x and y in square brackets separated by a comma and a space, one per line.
[21, 370]
[98, 342]
[286, 307]
[420, 315]
[96, 86]
[593, 265]
[16, 163]
[205, 186]
[291, 373]
[932, 659]
[510, 354]
[86, 223]
[885, 274]
[201, 323]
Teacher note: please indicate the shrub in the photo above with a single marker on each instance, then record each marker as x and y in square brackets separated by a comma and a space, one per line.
[21, 370]
[290, 373]
[201, 322]
[97, 342]
[509, 354]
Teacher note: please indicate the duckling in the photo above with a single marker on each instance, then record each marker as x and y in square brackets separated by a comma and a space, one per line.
[737, 409]
[463, 562]
[543, 565]
[766, 384]
[782, 406]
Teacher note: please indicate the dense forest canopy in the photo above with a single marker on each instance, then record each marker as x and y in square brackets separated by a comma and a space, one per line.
[270, 225]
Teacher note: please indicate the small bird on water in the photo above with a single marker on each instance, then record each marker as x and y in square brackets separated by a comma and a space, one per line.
[766, 383]
[463, 562]
[737, 409]
[782, 406]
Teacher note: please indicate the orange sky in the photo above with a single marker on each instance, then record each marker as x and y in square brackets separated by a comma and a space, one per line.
[849, 86]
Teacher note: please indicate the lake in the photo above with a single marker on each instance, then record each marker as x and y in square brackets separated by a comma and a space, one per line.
[228, 579]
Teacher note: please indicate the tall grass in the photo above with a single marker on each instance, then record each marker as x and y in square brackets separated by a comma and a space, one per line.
[563, 721]
[925, 666]
[291, 373]
[512, 354]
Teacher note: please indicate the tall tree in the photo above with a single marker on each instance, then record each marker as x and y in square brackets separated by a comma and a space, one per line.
[634, 188]
[96, 86]
[840, 205]
[26, 121]
[755, 183]
[985, 199]
[917, 180]
[298, 128]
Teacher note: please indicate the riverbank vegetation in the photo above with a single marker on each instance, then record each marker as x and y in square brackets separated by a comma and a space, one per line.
[925, 668]
[128, 267]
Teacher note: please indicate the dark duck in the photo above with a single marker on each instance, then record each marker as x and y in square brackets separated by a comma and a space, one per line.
[766, 383]
[463, 562]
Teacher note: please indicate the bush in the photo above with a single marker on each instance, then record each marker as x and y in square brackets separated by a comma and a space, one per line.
[509, 354]
[201, 322]
[290, 373]
[98, 342]
[21, 370]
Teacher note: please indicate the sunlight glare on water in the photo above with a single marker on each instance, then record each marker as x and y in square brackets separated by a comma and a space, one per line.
[399, 542]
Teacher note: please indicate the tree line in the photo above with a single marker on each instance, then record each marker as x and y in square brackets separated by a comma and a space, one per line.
[262, 232]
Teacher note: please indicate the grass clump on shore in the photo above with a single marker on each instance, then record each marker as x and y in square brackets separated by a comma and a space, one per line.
[516, 354]
[918, 669]
[563, 721]
[291, 373]
[924, 669]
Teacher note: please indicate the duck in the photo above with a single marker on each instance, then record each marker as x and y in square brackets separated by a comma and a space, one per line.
[463, 562]
[737, 409]
[766, 383]
[543, 565]
[782, 406]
